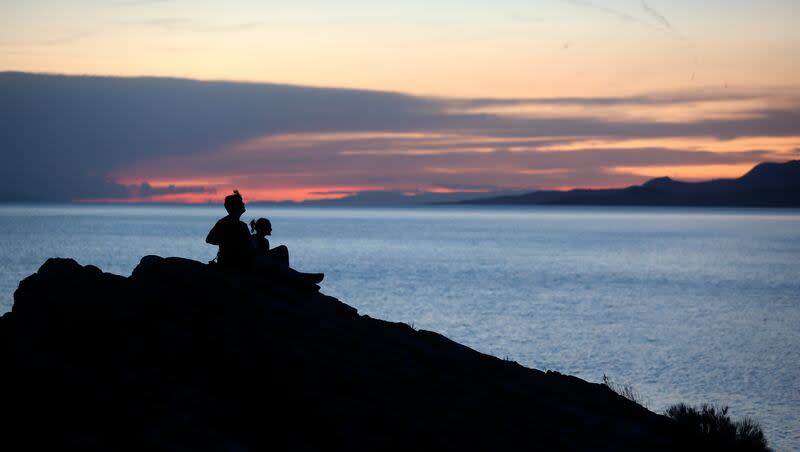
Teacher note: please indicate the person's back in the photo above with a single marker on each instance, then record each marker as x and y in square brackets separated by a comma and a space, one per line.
[275, 261]
[261, 229]
[232, 236]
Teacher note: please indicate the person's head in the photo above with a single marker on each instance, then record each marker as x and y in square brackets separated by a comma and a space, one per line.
[261, 227]
[234, 204]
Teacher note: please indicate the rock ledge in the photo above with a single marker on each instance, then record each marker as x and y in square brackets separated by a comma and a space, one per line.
[180, 356]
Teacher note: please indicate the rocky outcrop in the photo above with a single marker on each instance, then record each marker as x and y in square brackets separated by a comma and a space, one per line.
[181, 356]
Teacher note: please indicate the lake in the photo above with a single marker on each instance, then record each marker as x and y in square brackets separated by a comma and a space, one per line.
[692, 305]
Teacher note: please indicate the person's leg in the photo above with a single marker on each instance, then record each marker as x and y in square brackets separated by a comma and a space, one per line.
[296, 276]
[268, 266]
[280, 254]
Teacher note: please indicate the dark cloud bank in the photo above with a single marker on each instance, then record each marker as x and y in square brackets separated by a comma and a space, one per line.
[61, 136]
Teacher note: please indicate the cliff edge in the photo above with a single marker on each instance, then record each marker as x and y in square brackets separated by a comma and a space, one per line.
[181, 356]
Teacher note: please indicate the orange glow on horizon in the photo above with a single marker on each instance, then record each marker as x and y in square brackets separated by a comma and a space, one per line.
[679, 112]
[251, 195]
[638, 175]
[453, 190]
[332, 165]
[178, 183]
[690, 173]
[779, 145]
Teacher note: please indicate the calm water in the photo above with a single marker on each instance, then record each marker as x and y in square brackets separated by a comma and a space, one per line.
[684, 305]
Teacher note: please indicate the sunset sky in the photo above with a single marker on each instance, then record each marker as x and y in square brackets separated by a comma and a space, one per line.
[319, 99]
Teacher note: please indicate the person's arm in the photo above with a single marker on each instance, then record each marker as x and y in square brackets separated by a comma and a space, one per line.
[213, 235]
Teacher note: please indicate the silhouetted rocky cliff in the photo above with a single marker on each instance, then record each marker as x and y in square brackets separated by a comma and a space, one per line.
[180, 356]
[766, 185]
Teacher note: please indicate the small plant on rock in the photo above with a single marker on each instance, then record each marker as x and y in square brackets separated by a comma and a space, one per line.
[626, 391]
[712, 428]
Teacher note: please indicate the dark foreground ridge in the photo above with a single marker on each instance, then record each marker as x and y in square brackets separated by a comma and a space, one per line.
[766, 185]
[180, 356]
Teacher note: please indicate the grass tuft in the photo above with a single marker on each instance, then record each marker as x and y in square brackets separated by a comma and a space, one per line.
[626, 391]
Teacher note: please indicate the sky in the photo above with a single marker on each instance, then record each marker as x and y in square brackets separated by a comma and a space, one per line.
[179, 100]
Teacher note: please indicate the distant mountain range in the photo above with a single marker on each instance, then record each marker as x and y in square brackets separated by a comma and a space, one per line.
[766, 185]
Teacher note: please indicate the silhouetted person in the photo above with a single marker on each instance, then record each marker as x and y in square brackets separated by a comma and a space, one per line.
[261, 229]
[238, 252]
[232, 236]
[276, 260]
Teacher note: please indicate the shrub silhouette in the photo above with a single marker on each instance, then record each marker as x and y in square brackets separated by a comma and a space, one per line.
[713, 429]
[707, 427]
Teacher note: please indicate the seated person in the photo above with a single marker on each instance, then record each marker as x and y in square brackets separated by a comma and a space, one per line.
[261, 228]
[237, 251]
[275, 260]
[232, 236]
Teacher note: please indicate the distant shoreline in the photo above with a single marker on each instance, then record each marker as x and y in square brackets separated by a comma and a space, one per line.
[766, 185]
[430, 207]
[773, 185]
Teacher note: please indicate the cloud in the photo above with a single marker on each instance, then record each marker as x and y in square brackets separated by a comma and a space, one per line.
[54, 41]
[241, 26]
[66, 39]
[665, 24]
[185, 24]
[137, 2]
[63, 135]
[610, 11]
[587, 4]
[145, 190]
[79, 137]
[656, 15]
[167, 23]
[469, 187]
[326, 164]
[672, 98]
